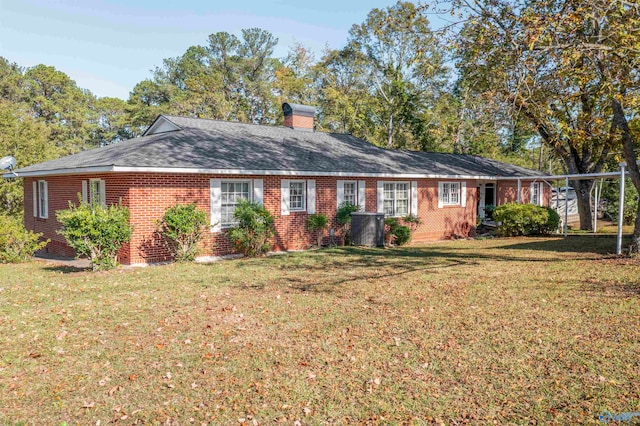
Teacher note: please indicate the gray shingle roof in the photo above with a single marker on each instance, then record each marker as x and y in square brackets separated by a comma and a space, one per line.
[203, 144]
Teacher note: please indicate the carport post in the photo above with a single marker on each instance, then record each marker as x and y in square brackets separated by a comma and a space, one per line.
[620, 209]
[566, 206]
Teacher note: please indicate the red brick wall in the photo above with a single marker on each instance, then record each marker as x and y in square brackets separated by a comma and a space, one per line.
[148, 195]
[508, 192]
[298, 121]
[61, 190]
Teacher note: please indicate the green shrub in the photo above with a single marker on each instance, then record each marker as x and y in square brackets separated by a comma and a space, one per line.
[525, 219]
[16, 243]
[255, 227]
[96, 232]
[343, 214]
[630, 206]
[343, 218]
[182, 226]
[400, 234]
[317, 223]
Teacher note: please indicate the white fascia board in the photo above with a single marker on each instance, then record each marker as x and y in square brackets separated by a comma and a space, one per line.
[187, 170]
[56, 172]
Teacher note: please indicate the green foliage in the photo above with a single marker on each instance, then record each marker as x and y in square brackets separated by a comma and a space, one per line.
[489, 209]
[16, 243]
[343, 218]
[525, 219]
[400, 234]
[255, 226]
[343, 214]
[96, 232]
[25, 139]
[412, 221]
[630, 207]
[182, 227]
[317, 223]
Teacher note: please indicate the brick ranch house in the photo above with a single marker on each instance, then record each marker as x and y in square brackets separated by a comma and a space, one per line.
[292, 169]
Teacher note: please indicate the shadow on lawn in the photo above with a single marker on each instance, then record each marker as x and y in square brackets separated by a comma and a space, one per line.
[66, 269]
[598, 244]
[325, 270]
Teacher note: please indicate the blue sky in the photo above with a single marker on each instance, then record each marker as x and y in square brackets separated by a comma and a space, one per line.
[109, 46]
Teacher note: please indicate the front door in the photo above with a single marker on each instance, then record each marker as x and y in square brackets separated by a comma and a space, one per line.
[487, 196]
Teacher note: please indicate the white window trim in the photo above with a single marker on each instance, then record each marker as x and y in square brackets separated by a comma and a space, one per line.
[540, 187]
[462, 194]
[256, 188]
[251, 197]
[102, 191]
[43, 201]
[412, 207]
[304, 196]
[360, 192]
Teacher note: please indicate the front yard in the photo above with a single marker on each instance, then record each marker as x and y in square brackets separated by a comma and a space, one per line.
[495, 331]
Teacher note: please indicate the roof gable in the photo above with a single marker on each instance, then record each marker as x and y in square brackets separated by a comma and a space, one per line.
[162, 124]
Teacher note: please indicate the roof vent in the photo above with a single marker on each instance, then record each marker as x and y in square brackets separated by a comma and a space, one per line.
[299, 117]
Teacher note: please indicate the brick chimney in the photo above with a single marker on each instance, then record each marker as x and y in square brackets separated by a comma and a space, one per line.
[298, 117]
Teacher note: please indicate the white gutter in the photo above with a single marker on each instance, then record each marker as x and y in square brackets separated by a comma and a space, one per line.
[185, 170]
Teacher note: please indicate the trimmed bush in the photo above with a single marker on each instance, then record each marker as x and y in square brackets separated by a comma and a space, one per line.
[182, 227]
[317, 223]
[525, 219]
[400, 234]
[255, 226]
[96, 232]
[16, 243]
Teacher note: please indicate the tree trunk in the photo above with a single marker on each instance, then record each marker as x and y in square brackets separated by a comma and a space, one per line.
[390, 134]
[583, 195]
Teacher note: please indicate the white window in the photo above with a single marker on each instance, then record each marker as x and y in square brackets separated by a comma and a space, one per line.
[452, 194]
[536, 193]
[231, 193]
[297, 195]
[41, 199]
[394, 198]
[351, 191]
[224, 197]
[94, 192]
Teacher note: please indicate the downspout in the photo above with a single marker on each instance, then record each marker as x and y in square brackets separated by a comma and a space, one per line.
[519, 191]
[620, 209]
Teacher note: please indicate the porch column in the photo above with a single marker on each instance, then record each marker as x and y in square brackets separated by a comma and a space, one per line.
[519, 191]
[620, 209]
[566, 206]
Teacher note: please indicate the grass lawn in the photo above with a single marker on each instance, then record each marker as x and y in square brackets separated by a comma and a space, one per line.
[496, 331]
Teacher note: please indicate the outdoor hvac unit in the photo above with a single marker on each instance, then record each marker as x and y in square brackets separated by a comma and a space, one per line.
[367, 229]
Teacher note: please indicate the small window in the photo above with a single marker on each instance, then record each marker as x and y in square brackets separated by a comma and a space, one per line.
[97, 192]
[350, 193]
[535, 194]
[450, 193]
[396, 198]
[297, 195]
[43, 199]
[232, 192]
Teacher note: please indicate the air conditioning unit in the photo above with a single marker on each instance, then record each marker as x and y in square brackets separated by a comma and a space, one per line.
[367, 229]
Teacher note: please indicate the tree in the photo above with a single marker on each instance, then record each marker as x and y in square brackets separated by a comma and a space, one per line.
[66, 109]
[539, 59]
[27, 140]
[402, 63]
